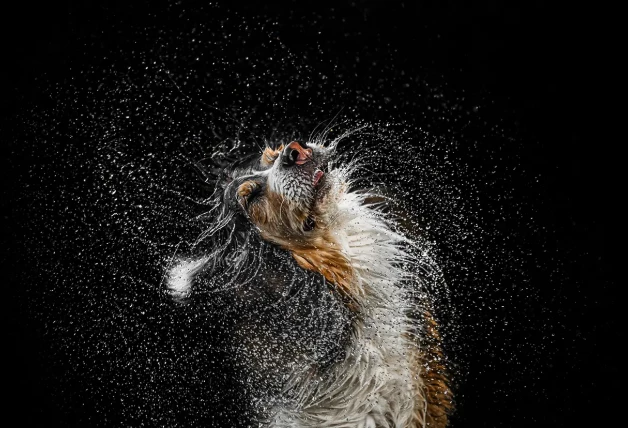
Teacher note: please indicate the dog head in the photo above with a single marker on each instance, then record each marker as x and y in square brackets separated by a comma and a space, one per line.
[290, 195]
[284, 191]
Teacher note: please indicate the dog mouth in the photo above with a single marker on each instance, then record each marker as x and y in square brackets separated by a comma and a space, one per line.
[318, 184]
[318, 175]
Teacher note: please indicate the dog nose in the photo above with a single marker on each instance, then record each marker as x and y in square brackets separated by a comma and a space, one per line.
[295, 154]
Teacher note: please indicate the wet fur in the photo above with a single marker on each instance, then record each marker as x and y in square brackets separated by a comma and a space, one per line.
[383, 366]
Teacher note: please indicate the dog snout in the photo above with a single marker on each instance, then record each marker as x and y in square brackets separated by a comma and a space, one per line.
[295, 154]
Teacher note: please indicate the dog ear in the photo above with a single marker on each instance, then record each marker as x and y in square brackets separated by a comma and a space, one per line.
[181, 275]
[270, 154]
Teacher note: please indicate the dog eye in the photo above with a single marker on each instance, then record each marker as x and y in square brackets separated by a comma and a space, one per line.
[249, 192]
[254, 195]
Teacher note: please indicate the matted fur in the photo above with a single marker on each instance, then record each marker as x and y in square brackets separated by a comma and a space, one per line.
[392, 373]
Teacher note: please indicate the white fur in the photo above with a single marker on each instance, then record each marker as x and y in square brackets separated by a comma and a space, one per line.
[181, 276]
[374, 386]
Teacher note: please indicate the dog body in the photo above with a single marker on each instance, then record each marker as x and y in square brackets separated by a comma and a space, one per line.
[378, 363]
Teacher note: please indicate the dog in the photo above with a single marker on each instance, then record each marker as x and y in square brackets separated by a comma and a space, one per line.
[335, 329]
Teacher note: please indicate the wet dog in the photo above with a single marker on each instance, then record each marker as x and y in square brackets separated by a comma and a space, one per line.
[333, 333]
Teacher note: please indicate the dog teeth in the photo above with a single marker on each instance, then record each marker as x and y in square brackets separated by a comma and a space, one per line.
[317, 177]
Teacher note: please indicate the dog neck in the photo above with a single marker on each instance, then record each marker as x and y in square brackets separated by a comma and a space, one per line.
[357, 252]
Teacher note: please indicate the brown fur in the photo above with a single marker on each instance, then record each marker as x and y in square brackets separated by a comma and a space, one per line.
[245, 190]
[276, 217]
[330, 262]
[434, 377]
[269, 155]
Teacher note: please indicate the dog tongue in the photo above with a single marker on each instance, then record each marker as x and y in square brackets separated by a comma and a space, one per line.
[317, 177]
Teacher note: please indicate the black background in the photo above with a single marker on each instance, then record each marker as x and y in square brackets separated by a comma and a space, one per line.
[534, 69]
